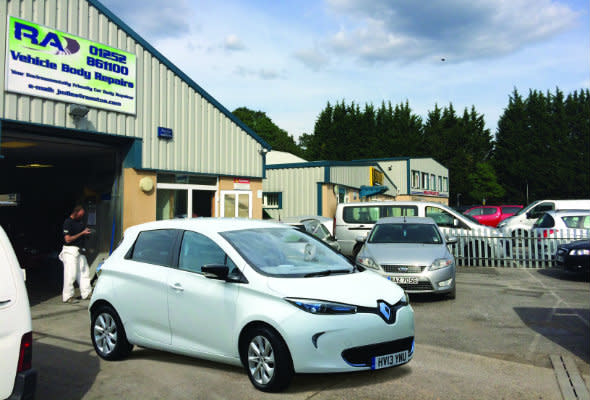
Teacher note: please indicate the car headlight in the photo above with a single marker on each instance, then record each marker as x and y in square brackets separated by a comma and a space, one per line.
[441, 263]
[405, 300]
[367, 262]
[321, 306]
[502, 225]
[580, 252]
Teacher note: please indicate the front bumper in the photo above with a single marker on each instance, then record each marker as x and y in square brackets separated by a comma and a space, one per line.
[344, 343]
[438, 281]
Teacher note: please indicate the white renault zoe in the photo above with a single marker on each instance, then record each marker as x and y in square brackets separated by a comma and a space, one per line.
[251, 293]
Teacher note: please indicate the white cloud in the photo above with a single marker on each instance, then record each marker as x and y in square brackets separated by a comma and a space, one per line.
[233, 43]
[154, 18]
[459, 30]
[314, 59]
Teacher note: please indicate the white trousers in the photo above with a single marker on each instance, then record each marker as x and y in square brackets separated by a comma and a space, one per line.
[75, 269]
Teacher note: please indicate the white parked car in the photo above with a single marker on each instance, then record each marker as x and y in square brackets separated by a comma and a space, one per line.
[252, 293]
[18, 379]
[413, 252]
[557, 227]
[522, 222]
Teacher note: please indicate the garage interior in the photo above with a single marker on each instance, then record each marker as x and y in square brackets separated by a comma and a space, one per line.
[44, 175]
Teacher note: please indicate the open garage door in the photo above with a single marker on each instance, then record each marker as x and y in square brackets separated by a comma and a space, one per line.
[43, 177]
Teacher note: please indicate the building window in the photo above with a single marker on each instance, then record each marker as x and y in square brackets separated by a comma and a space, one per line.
[272, 200]
[432, 182]
[424, 180]
[416, 179]
[440, 186]
[445, 187]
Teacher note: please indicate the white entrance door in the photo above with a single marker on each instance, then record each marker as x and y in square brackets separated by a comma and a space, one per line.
[236, 203]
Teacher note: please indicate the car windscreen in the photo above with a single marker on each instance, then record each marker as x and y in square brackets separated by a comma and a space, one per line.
[286, 252]
[405, 233]
[511, 210]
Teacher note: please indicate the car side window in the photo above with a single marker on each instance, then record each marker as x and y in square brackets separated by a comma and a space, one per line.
[577, 221]
[198, 250]
[441, 217]
[154, 247]
[360, 214]
[488, 211]
[399, 211]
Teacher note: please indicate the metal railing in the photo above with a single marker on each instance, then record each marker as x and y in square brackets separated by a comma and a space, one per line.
[522, 250]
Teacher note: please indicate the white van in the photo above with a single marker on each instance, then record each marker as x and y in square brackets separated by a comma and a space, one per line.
[17, 378]
[522, 223]
[357, 219]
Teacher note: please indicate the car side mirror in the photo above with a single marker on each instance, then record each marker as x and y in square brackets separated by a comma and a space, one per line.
[452, 239]
[360, 239]
[215, 271]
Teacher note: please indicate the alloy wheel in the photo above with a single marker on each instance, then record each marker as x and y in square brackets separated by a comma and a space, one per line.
[105, 333]
[261, 360]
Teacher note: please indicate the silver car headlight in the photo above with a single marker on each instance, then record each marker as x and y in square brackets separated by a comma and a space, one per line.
[321, 306]
[502, 224]
[441, 263]
[367, 262]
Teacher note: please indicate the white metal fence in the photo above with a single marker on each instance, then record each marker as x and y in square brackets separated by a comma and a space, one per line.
[525, 250]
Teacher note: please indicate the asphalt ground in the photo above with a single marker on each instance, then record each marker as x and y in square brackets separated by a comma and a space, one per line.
[493, 342]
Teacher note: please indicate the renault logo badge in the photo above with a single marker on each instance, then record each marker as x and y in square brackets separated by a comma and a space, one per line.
[385, 310]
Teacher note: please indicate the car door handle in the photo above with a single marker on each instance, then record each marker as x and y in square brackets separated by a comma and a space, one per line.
[2, 302]
[178, 287]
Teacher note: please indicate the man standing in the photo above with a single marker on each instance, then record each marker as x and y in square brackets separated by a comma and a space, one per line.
[73, 258]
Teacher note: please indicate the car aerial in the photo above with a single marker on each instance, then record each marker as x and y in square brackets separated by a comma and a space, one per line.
[556, 227]
[253, 293]
[492, 215]
[412, 252]
[18, 379]
[316, 228]
[574, 256]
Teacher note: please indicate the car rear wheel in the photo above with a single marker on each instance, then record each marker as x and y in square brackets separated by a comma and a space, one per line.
[267, 360]
[108, 334]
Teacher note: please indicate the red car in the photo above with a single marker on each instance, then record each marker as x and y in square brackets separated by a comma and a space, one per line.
[492, 215]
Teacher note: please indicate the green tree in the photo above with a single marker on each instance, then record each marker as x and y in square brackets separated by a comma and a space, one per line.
[260, 123]
[484, 185]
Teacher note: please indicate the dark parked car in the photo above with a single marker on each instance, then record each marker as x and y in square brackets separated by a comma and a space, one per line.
[574, 256]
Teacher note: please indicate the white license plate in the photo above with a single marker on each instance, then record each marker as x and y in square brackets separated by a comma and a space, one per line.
[390, 360]
[403, 279]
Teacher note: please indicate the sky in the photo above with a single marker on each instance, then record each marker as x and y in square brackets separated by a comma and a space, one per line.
[289, 58]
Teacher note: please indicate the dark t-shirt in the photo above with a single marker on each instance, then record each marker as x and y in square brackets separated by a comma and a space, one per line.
[73, 227]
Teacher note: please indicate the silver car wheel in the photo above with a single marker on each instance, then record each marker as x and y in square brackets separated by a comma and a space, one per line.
[261, 360]
[105, 333]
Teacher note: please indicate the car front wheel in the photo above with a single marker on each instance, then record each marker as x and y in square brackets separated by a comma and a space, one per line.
[108, 334]
[267, 360]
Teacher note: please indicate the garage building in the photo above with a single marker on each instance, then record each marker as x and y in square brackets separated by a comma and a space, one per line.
[296, 187]
[92, 114]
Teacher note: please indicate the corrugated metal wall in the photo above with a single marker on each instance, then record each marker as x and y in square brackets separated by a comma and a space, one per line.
[205, 140]
[350, 176]
[299, 188]
[356, 176]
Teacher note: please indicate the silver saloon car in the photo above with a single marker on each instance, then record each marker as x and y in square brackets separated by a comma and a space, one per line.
[412, 252]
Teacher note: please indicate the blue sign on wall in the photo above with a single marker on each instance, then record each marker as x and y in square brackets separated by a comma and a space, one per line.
[164, 133]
